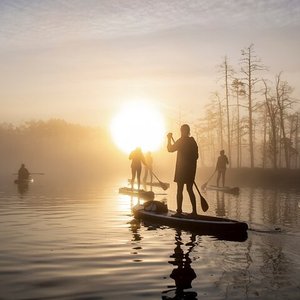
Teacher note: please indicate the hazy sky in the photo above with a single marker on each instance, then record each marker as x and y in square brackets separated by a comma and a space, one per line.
[79, 60]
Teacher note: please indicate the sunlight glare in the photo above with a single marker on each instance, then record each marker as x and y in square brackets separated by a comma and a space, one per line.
[138, 124]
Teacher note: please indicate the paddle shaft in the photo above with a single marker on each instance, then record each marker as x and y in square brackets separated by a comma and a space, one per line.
[163, 185]
[155, 176]
[31, 173]
[205, 184]
[204, 204]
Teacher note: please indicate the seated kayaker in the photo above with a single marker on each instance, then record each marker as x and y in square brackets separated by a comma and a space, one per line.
[23, 173]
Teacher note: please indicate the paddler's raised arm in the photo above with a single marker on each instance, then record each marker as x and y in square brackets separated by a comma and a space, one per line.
[171, 147]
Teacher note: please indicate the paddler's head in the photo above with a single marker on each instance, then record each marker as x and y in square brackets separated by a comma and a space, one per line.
[185, 130]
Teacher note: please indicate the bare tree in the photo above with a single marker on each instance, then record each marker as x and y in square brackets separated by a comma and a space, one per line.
[284, 101]
[238, 90]
[293, 137]
[227, 73]
[251, 64]
[216, 102]
[296, 140]
[272, 113]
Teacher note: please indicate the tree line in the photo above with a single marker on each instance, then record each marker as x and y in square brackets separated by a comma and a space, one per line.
[57, 147]
[254, 119]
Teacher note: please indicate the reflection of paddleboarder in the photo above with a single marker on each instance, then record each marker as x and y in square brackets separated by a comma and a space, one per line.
[137, 158]
[220, 208]
[184, 274]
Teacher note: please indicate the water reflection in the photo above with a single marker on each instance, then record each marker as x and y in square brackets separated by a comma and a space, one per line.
[183, 274]
[22, 188]
[67, 236]
[220, 205]
[135, 226]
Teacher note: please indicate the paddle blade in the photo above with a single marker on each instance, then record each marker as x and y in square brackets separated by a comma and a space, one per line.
[204, 204]
[164, 186]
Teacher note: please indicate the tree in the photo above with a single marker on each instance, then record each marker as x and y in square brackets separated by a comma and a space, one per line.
[216, 102]
[272, 113]
[227, 73]
[238, 90]
[284, 101]
[250, 65]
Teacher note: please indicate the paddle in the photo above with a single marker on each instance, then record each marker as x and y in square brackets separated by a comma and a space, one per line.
[37, 173]
[163, 185]
[31, 173]
[204, 204]
[203, 186]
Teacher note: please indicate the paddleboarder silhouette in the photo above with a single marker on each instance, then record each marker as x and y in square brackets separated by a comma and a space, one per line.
[186, 164]
[221, 167]
[137, 158]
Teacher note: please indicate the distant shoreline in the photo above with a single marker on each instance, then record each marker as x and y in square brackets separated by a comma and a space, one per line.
[257, 177]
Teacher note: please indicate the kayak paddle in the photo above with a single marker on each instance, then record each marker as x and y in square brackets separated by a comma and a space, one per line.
[31, 173]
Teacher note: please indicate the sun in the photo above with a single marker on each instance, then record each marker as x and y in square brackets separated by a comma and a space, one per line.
[138, 124]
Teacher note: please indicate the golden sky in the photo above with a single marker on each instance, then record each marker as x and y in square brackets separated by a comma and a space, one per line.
[80, 60]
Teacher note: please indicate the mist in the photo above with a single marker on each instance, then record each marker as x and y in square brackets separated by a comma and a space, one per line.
[67, 151]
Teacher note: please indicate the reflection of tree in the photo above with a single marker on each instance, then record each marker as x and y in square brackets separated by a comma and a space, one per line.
[184, 274]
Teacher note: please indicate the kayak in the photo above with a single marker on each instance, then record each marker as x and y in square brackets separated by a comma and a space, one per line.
[23, 181]
[155, 184]
[138, 193]
[221, 228]
[225, 189]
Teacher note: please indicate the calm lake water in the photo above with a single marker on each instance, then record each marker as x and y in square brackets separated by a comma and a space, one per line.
[80, 242]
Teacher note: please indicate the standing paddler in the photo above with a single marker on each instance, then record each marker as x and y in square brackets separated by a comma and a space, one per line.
[186, 164]
[137, 158]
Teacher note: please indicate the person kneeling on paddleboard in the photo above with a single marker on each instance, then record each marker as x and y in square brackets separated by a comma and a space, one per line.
[23, 173]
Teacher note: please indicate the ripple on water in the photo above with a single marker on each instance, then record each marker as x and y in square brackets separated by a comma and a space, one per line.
[84, 246]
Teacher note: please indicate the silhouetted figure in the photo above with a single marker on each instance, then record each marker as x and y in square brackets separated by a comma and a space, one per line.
[184, 274]
[137, 158]
[221, 167]
[23, 173]
[148, 167]
[186, 164]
